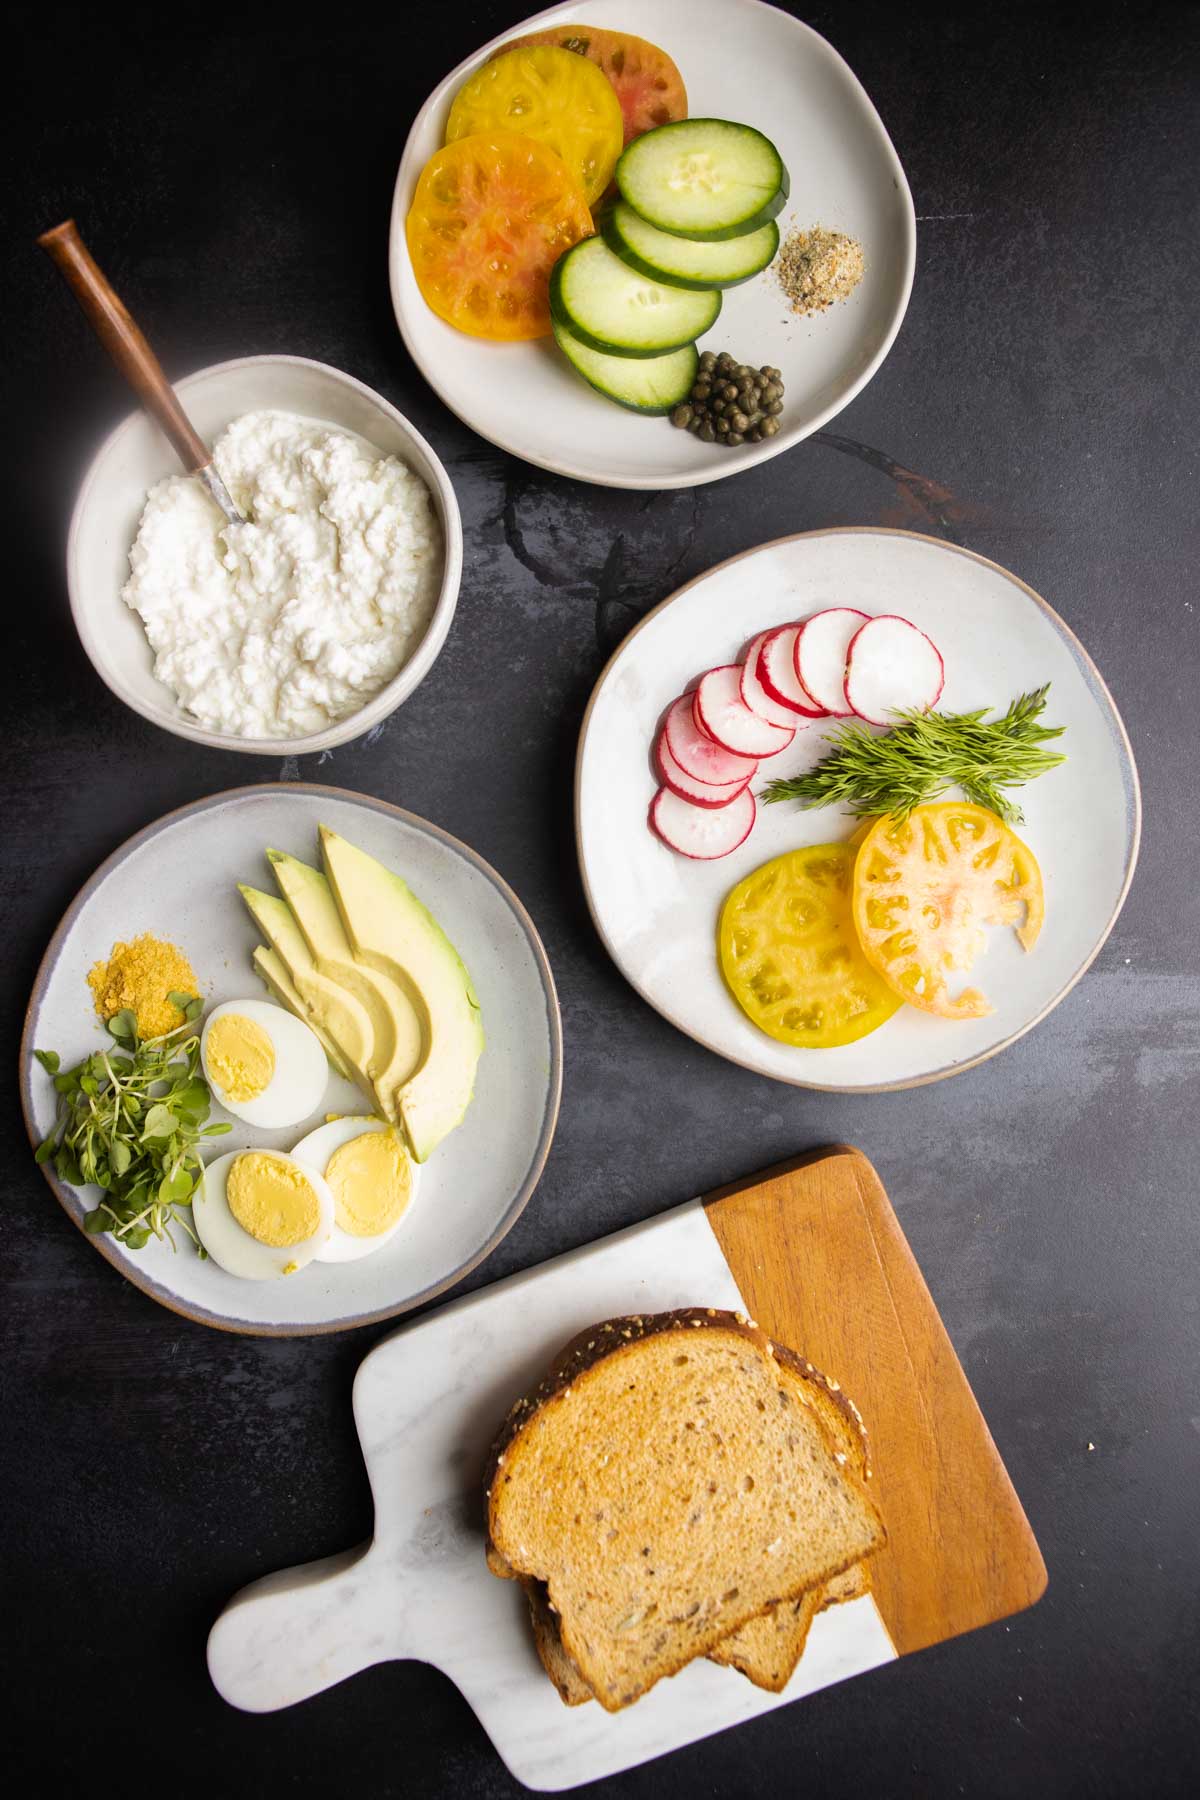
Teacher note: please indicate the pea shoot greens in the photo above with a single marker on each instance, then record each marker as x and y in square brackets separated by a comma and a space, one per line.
[130, 1120]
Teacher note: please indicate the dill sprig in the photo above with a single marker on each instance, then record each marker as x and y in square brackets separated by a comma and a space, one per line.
[926, 754]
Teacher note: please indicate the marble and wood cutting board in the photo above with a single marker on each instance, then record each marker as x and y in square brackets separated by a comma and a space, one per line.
[814, 1252]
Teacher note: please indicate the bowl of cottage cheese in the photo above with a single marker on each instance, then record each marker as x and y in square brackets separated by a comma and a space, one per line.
[303, 627]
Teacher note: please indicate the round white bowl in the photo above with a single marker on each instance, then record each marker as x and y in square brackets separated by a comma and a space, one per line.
[105, 521]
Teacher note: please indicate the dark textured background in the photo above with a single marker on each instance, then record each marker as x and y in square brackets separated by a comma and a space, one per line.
[233, 175]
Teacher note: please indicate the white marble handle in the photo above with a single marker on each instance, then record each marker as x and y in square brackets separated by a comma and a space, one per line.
[297, 1632]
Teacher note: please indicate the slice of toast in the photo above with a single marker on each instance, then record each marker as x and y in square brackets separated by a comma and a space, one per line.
[767, 1649]
[667, 1484]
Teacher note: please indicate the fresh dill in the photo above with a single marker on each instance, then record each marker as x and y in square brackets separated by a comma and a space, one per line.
[925, 754]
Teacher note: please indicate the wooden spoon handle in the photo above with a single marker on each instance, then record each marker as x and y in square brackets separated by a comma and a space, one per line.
[124, 342]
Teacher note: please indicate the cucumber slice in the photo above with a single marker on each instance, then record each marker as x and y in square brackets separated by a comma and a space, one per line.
[704, 179]
[645, 384]
[607, 305]
[682, 262]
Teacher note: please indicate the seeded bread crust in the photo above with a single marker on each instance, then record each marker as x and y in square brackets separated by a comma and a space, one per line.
[837, 1419]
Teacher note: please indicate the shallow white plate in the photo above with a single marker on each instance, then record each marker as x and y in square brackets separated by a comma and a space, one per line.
[136, 455]
[740, 60]
[657, 912]
[177, 879]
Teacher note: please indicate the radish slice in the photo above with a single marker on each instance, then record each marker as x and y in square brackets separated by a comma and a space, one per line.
[720, 711]
[755, 695]
[821, 651]
[778, 674]
[696, 753]
[700, 793]
[892, 667]
[702, 832]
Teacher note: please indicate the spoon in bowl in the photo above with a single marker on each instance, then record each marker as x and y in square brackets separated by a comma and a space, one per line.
[123, 340]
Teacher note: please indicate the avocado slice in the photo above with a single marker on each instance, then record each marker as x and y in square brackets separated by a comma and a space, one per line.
[273, 974]
[392, 932]
[397, 1025]
[326, 1004]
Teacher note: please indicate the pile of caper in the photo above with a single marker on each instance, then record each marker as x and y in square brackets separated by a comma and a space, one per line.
[731, 403]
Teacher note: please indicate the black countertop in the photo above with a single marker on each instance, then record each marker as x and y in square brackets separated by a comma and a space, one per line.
[233, 177]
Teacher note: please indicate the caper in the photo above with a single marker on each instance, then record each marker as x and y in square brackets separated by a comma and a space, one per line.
[702, 390]
[775, 408]
[735, 437]
[694, 425]
[707, 435]
[738, 421]
[707, 360]
[769, 427]
[681, 416]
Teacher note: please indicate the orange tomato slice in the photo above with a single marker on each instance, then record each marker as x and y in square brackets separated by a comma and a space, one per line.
[490, 218]
[543, 93]
[647, 83]
[925, 889]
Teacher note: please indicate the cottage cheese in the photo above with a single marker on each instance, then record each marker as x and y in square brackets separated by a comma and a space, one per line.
[277, 627]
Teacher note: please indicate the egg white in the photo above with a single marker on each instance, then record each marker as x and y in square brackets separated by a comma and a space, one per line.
[232, 1247]
[315, 1152]
[296, 1088]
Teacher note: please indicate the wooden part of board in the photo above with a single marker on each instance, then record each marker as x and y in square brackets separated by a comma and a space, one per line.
[824, 1267]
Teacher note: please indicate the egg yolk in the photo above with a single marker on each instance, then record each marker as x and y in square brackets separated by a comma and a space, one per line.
[271, 1199]
[241, 1057]
[371, 1178]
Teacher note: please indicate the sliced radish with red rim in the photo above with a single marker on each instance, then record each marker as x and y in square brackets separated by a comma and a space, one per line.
[720, 711]
[822, 647]
[755, 695]
[702, 832]
[700, 793]
[778, 673]
[892, 667]
[697, 754]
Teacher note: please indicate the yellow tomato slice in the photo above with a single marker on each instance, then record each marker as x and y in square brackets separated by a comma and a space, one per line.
[789, 955]
[490, 218]
[924, 891]
[646, 82]
[556, 98]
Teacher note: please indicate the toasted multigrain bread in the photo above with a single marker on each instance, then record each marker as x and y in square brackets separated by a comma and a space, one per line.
[667, 1484]
[767, 1649]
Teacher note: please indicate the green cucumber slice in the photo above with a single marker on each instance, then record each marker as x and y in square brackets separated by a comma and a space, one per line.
[683, 262]
[607, 305]
[645, 384]
[706, 179]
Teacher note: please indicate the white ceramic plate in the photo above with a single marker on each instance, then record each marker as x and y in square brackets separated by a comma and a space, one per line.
[136, 455]
[738, 59]
[178, 879]
[657, 911]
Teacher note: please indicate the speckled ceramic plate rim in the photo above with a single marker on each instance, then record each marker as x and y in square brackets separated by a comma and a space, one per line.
[785, 440]
[393, 693]
[1097, 687]
[66, 1195]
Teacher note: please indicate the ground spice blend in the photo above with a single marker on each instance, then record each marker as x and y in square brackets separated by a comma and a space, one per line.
[139, 975]
[817, 267]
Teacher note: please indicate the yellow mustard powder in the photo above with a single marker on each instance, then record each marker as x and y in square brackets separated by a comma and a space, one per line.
[240, 1057]
[371, 1178]
[271, 1199]
[138, 976]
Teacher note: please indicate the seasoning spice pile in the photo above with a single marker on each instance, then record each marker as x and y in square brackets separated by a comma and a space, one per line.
[138, 977]
[817, 267]
[730, 402]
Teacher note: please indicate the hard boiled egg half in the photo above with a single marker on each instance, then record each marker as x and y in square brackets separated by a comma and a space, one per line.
[263, 1065]
[371, 1176]
[261, 1214]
